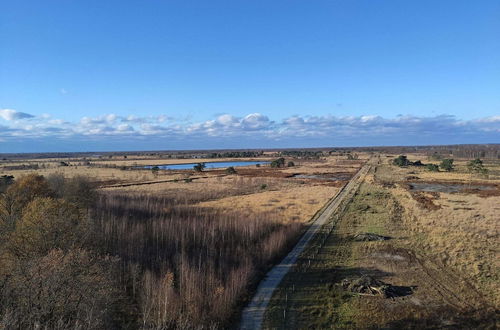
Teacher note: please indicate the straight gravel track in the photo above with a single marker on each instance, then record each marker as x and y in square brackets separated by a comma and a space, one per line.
[253, 314]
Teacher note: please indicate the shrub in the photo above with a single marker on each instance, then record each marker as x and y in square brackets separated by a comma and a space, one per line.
[78, 190]
[432, 167]
[56, 183]
[476, 166]
[290, 164]
[230, 170]
[48, 223]
[63, 290]
[199, 167]
[401, 161]
[280, 162]
[447, 164]
[5, 182]
[155, 170]
[18, 195]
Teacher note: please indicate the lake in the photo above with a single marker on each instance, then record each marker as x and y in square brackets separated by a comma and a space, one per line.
[208, 165]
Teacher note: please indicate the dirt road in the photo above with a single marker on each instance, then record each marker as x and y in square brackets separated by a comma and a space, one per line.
[253, 314]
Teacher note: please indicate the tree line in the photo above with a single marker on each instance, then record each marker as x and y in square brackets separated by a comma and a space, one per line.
[473, 166]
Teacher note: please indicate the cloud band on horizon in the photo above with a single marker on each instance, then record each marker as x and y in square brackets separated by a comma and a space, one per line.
[254, 130]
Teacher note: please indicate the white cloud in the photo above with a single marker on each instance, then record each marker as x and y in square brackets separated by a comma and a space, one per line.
[492, 119]
[252, 126]
[124, 128]
[163, 118]
[228, 120]
[370, 118]
[104, 119]
[255, 121]
[56, 121]
[111, 118]
[10, 114]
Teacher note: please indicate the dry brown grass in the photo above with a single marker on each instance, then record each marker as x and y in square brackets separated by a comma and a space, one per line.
[329, 165]
[209, 188]
[291, 204]
[94, 173]
[461, 233]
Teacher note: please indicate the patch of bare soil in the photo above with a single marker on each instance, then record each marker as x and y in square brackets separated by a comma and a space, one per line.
[482, 193]
[426, 200]
[261, 172]
[387, 184]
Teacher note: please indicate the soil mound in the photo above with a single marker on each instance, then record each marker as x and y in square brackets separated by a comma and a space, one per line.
[368, 285]
[370, 237]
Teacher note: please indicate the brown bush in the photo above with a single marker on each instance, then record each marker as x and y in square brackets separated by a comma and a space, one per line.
[18, 195]
[78, 190]
[46, 224]
[61, 290]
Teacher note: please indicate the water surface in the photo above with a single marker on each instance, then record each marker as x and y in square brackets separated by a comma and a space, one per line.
[189, 166]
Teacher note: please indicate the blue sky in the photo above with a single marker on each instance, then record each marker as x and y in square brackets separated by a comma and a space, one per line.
[119, 75]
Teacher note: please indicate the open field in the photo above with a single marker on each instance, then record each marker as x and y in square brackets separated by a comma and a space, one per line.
[437, 257]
